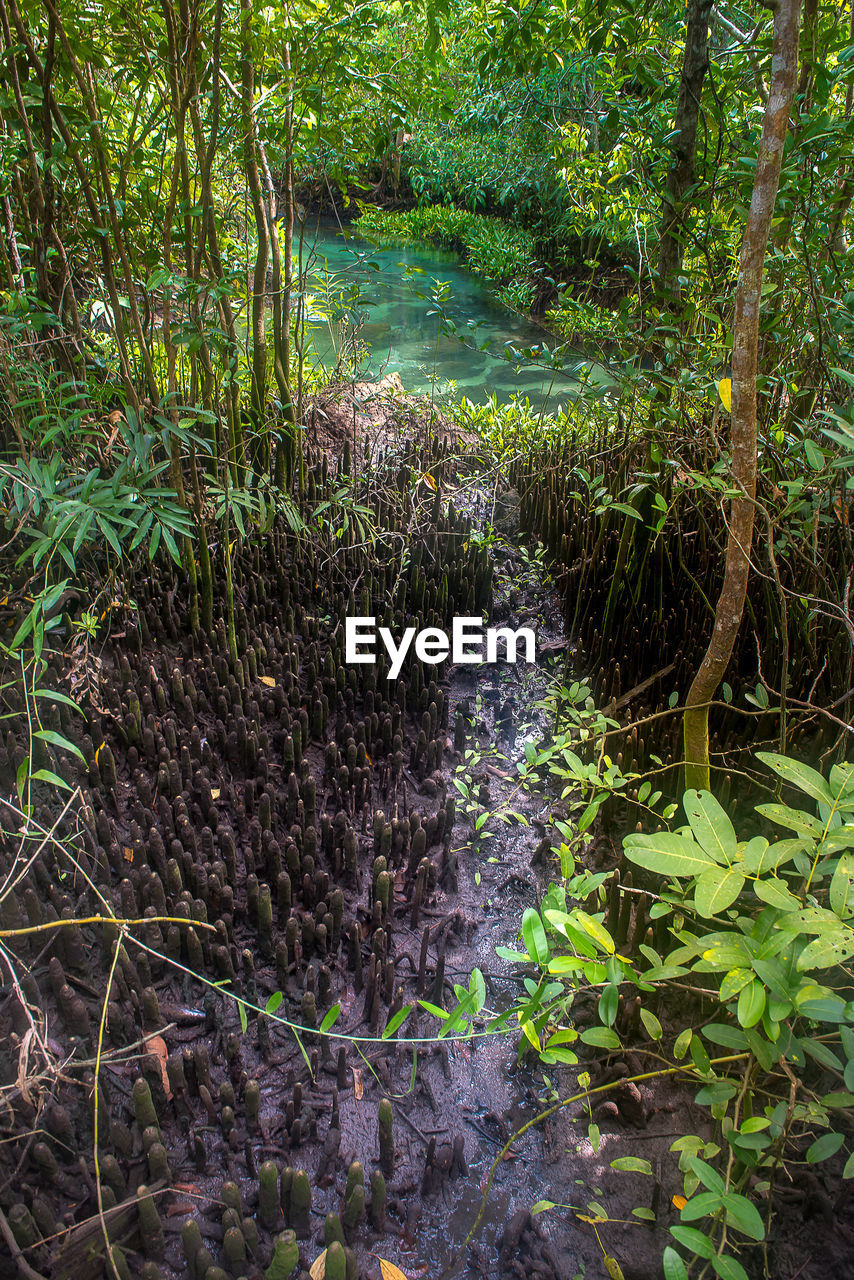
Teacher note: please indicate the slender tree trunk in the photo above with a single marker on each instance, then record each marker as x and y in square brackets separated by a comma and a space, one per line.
[258, 377]
[677, 201]
[743, 433]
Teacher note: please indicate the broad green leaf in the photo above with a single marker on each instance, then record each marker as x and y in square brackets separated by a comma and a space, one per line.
[728, 1267]
[806, 824]
[733, 982]
[682, 1044]
[275, 1001]
[674, 1267]
[841, 892]
[710, 824]
[776, 894]
[651, 1024]
[608, 1004]
[799, 775]
[668, 854]
[602, 1037]
[743, 1215]
[751, 1004]
[631, 1164]
[694, 1240]
[717, 889]
[823, 952]
[534, 936]
[824, 1147]
[701, 1205]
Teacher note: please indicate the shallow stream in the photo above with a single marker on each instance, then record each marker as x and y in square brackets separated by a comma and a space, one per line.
[420, 313]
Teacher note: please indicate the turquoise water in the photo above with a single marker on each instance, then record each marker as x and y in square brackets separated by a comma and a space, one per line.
[388, 301]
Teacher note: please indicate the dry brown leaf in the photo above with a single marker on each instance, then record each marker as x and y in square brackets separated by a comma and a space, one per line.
[128, 853]
[156, 1044]
[180, 1209]
[388, 1270]
[214, 793]
[358, 1087]
[268, 681]
[318, 1268]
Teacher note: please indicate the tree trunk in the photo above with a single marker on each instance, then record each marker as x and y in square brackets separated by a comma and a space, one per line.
[680, 179]
[730, 606]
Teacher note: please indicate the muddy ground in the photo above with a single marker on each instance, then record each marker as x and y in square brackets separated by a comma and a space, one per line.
[307, 814]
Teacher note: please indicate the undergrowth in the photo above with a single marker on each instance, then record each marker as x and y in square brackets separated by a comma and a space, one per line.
[499, 252]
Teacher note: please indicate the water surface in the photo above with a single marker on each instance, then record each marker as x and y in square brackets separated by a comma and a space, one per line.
[417, 311]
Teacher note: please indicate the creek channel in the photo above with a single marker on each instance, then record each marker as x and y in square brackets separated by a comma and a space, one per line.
[384, 297]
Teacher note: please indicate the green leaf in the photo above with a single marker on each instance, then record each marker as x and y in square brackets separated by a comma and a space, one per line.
[330, 1018]
[602, 1037]
[45, 775]
[776, 894]
[695, 1240]
[50, 735]
[822, 953]
[674, 1267]
[824, 1147]
[700, 1206]
[241, 1013]
[274, 1002]
[534, 936]
[541, 1206]
[682, 1044]
[736, 980]
[717, 889]
[751, 1004]
[397, 1021]
[631, 1164]
[728, 1267]
[667, 853]
[710, 824]
[651, 1024]
[608, 1004]
[841, 893]
[799, 775]
[743, 1215]
[595, 930]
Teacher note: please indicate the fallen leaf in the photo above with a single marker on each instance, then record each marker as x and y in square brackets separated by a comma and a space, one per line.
[680, 1202]
[389, 1271]
[430, 483]
[318, 1268]
[268, 681]
[358, 1087]
[612, 1266]
[180, 1208]
[214, 793]
[156, 1044]
[128, 853]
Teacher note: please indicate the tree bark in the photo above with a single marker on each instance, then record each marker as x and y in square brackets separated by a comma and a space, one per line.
[743, 433]
[680, 179]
